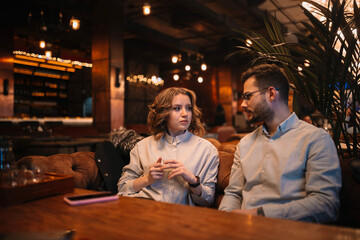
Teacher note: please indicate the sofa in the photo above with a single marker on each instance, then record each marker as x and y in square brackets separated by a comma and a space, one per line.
[87, 174]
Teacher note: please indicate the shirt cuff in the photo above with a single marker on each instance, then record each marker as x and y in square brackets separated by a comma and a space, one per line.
[128, 188]
[273, 211]
[204, 199]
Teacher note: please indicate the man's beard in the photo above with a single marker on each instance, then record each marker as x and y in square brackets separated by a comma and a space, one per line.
[261, 113]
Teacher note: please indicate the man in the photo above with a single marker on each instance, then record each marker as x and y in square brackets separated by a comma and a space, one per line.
[286, 168]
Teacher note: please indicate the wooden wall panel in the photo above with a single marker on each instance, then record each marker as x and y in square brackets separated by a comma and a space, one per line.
[108, 65]
[6, 71]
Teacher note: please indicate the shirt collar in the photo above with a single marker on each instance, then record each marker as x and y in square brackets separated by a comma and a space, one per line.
[178, 139]
[283, 127]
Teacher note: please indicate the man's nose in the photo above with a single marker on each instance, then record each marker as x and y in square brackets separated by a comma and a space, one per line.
[244, 104]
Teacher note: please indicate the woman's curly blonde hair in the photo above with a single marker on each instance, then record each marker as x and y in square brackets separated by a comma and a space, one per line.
[161, 107]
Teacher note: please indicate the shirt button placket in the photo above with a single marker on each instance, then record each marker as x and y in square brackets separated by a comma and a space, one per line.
[262, 176]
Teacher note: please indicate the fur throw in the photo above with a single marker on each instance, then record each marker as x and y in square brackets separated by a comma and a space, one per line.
[124, 140]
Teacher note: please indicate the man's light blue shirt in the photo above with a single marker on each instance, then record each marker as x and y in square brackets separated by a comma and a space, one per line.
[294, 174]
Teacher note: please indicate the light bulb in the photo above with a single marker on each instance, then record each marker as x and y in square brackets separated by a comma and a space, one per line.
[174, 59]
[146, 9]
[187, 67]
[75, 23]
[42, 44]
[203, 67]
[200, 79]
[176, 77]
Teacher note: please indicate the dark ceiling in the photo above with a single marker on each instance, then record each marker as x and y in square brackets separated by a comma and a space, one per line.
[191, 27]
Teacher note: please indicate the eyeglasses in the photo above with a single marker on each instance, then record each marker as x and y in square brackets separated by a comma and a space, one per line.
[247, 96]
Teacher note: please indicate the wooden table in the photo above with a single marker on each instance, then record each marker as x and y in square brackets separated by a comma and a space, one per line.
[133, 218]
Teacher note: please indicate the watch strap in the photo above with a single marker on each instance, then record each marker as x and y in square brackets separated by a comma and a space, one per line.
[197, 182]
[260, 211]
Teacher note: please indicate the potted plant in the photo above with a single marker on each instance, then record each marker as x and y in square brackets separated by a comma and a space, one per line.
[323, 67]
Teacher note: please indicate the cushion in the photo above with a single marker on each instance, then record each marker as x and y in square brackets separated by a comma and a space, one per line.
[225, 163]
[215, 142]
[229, 148]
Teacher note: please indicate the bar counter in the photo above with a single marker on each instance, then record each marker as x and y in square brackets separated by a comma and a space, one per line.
[82, 121]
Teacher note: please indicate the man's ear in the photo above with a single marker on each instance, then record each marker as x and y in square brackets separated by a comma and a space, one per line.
[272, 93]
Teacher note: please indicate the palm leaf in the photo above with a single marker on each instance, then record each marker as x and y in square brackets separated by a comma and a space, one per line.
[331, 74]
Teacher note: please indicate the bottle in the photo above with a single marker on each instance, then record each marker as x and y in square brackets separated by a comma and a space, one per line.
[7, 159]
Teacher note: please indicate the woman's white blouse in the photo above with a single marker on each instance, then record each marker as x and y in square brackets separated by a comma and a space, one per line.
[198, 156]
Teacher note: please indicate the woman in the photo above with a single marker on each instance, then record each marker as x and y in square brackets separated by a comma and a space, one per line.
[173, 164]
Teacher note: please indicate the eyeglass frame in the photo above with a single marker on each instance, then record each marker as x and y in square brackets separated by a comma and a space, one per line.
[247, 96]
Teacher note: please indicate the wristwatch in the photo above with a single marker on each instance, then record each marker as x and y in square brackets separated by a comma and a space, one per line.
[197, 182]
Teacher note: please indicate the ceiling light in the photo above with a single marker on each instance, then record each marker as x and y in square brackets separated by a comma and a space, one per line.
[42, 44]
[187, 67]
[203, 67]
[146, 9]
[176, 77]
[75, 23]
[174, 59]
[200, 79]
